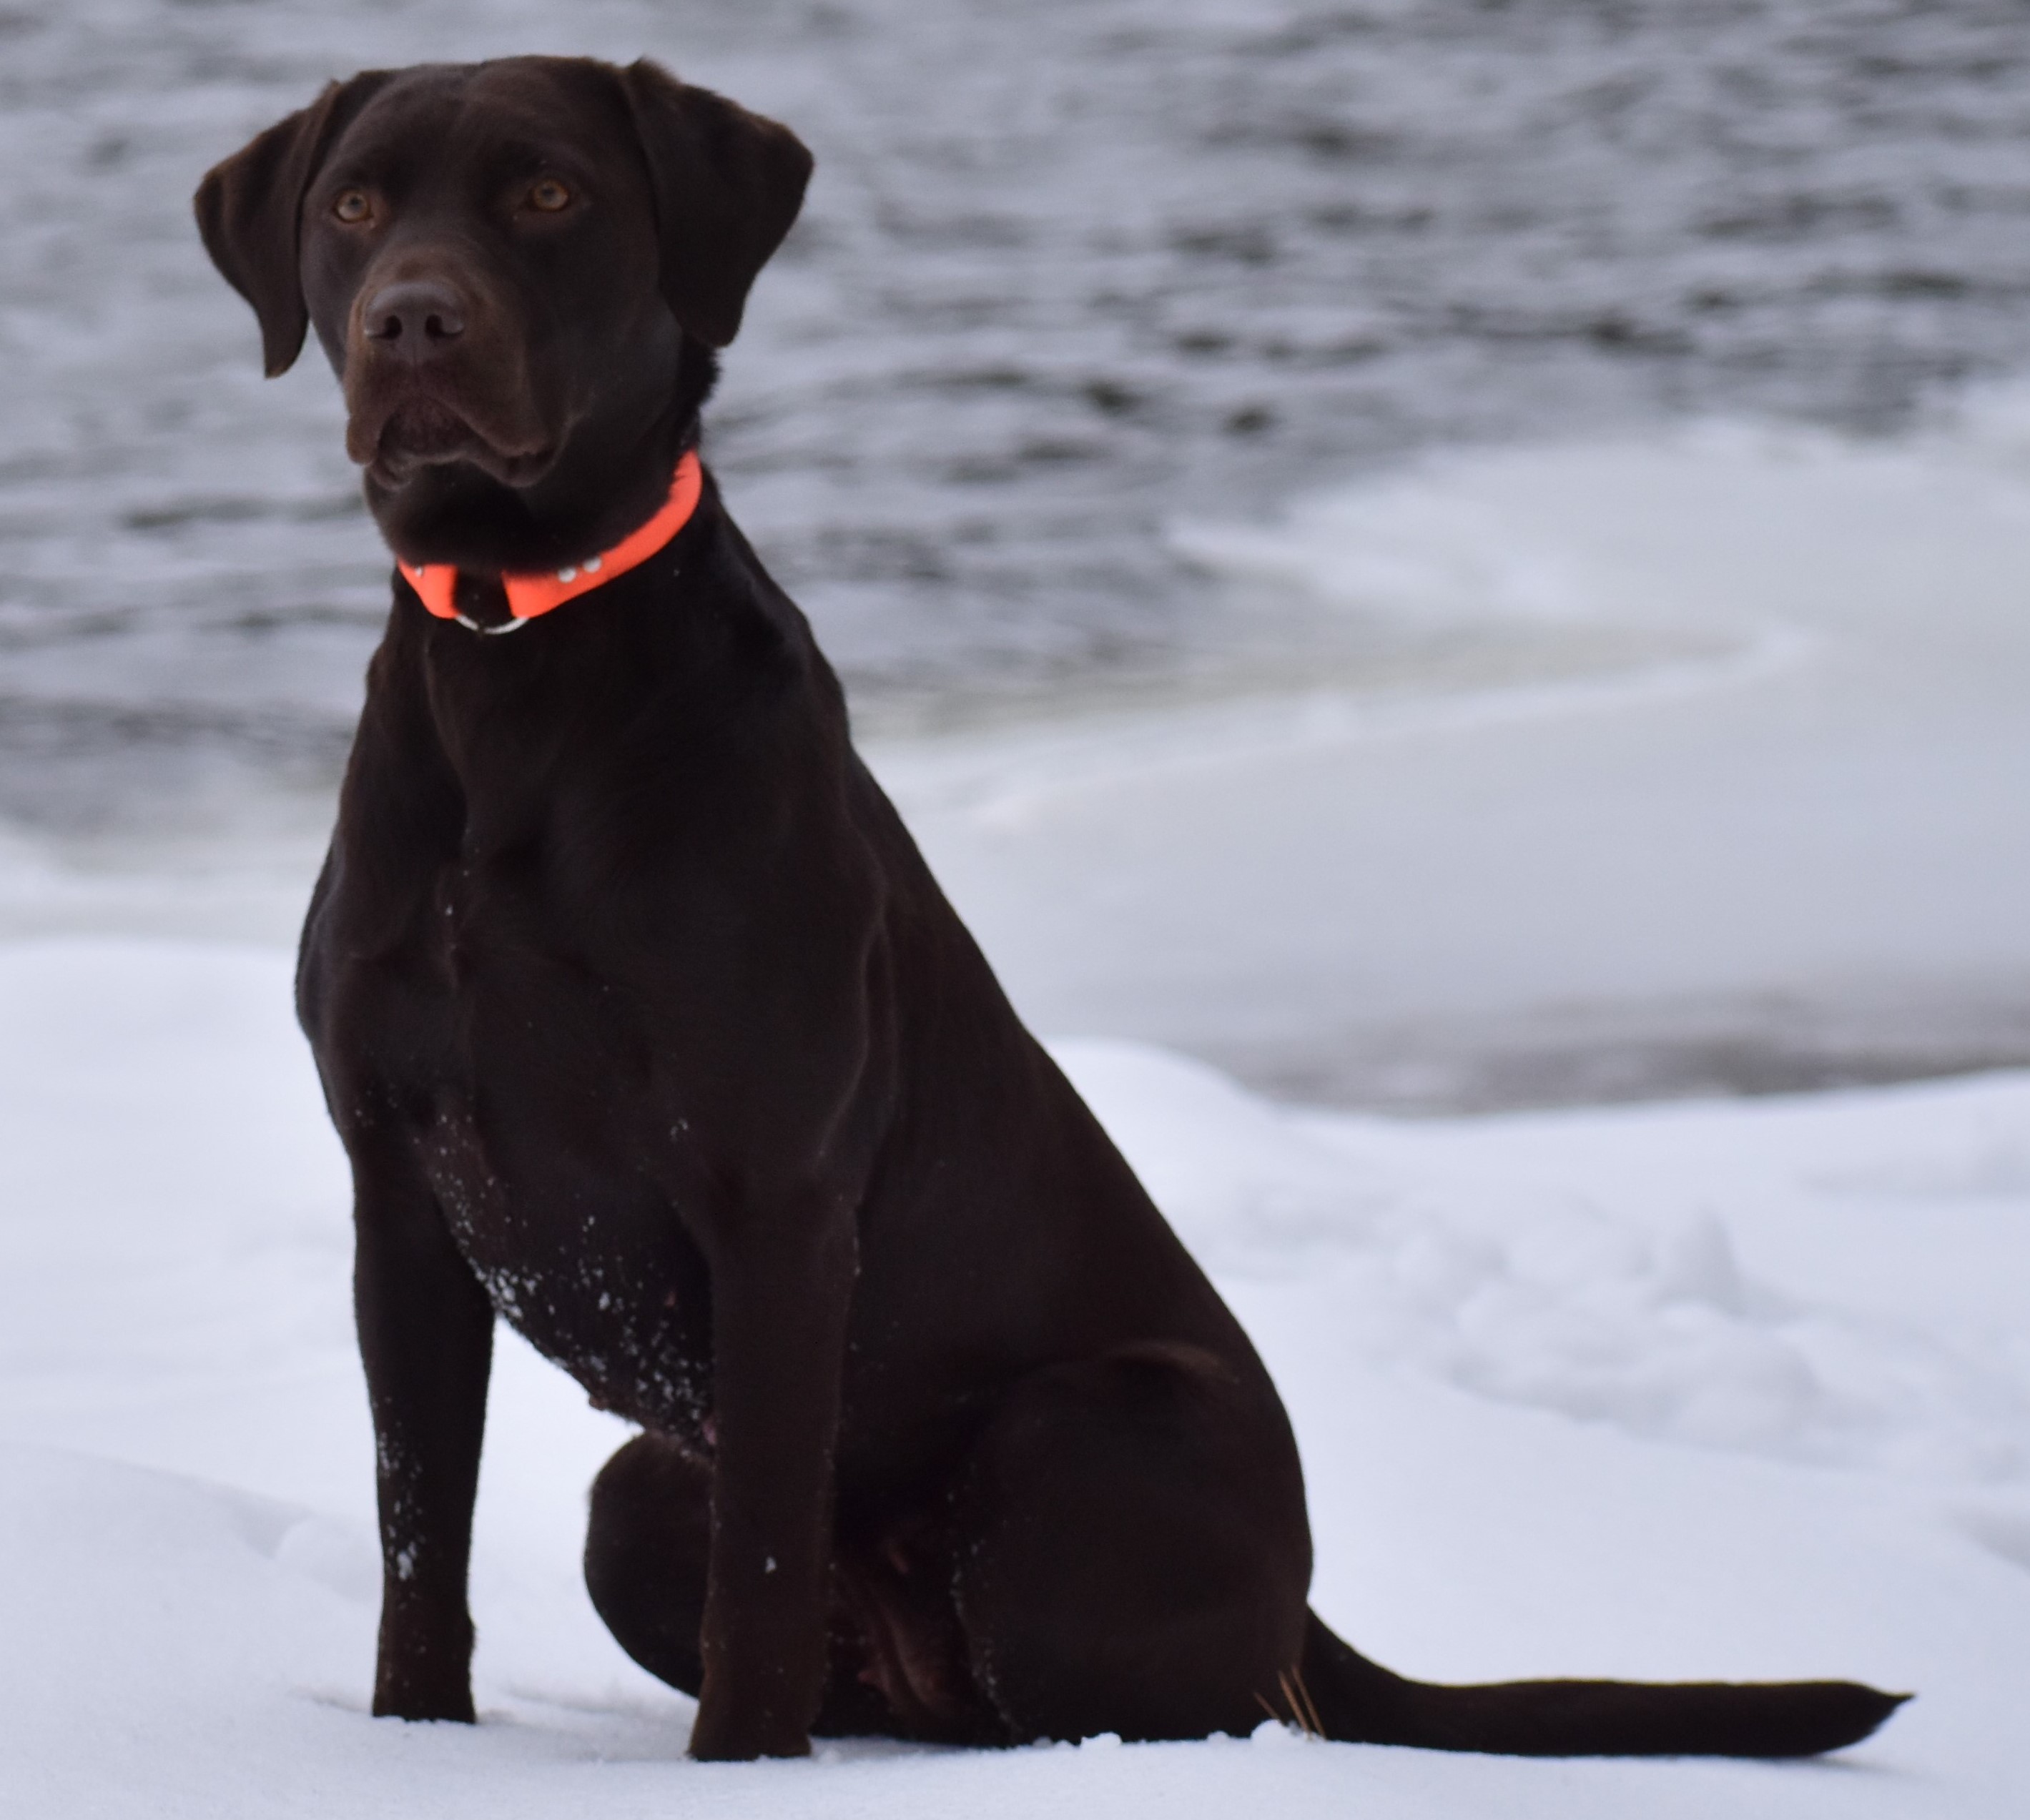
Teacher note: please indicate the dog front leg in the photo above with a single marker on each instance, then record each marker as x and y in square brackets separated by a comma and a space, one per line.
[427, 1338]
[780, 1294]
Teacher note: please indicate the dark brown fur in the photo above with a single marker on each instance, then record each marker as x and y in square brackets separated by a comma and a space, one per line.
[646, 1029]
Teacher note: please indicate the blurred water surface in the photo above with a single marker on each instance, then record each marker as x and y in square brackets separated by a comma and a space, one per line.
[1072, 273]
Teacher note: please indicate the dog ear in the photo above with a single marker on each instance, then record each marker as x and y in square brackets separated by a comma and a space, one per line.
[249, 209]
[727, 185]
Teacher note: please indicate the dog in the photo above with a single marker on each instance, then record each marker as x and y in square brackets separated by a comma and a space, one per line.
[647, 1029]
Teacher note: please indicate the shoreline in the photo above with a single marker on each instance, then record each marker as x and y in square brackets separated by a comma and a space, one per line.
[1693, 763]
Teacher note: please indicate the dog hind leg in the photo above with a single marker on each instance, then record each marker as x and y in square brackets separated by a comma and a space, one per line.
[1130, 1552]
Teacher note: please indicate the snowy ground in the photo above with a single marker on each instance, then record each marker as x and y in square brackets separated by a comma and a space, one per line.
[1711, 1390]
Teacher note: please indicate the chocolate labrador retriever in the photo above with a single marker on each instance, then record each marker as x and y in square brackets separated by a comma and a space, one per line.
[647, 1029]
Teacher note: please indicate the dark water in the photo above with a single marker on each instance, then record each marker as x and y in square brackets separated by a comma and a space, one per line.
[1071, 270]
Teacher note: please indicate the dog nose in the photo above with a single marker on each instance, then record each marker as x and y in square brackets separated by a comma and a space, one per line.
[414, 320]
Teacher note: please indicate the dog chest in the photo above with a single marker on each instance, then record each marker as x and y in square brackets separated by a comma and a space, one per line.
[595, 1271]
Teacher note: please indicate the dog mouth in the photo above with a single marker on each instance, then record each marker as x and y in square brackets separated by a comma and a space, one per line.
[425, 431]
[421, 431]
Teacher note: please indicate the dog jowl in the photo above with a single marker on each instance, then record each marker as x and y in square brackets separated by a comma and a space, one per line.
[647, 1030]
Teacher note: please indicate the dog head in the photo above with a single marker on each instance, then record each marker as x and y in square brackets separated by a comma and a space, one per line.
[509, 266]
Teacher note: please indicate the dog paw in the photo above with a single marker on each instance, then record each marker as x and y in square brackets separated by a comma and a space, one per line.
[397, 1696]
[730, 1739]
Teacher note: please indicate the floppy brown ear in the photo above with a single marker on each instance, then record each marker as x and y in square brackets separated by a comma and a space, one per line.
[727, 183]
[250, 208]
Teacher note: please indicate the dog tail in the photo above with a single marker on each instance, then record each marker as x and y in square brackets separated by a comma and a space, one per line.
[1339, 1692]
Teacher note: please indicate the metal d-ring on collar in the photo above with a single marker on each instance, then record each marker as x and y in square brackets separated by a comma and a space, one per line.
[571, 572]
[510, 624]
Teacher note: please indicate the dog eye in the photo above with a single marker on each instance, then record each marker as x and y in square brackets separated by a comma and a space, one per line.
[352, 206]
[549, 195]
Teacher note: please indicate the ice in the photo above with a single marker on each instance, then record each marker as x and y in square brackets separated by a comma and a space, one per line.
[1640, 1392]
[1744, 812]
[1700, 764]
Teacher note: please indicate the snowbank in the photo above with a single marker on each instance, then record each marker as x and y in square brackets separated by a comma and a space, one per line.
[1711, 1390]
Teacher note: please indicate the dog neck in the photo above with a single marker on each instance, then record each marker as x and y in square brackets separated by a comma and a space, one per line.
[529, 596]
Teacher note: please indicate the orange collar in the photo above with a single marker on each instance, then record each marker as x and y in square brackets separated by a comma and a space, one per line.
[529, 596]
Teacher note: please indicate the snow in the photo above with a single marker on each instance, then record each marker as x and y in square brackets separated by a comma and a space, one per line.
[1712, 1389]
